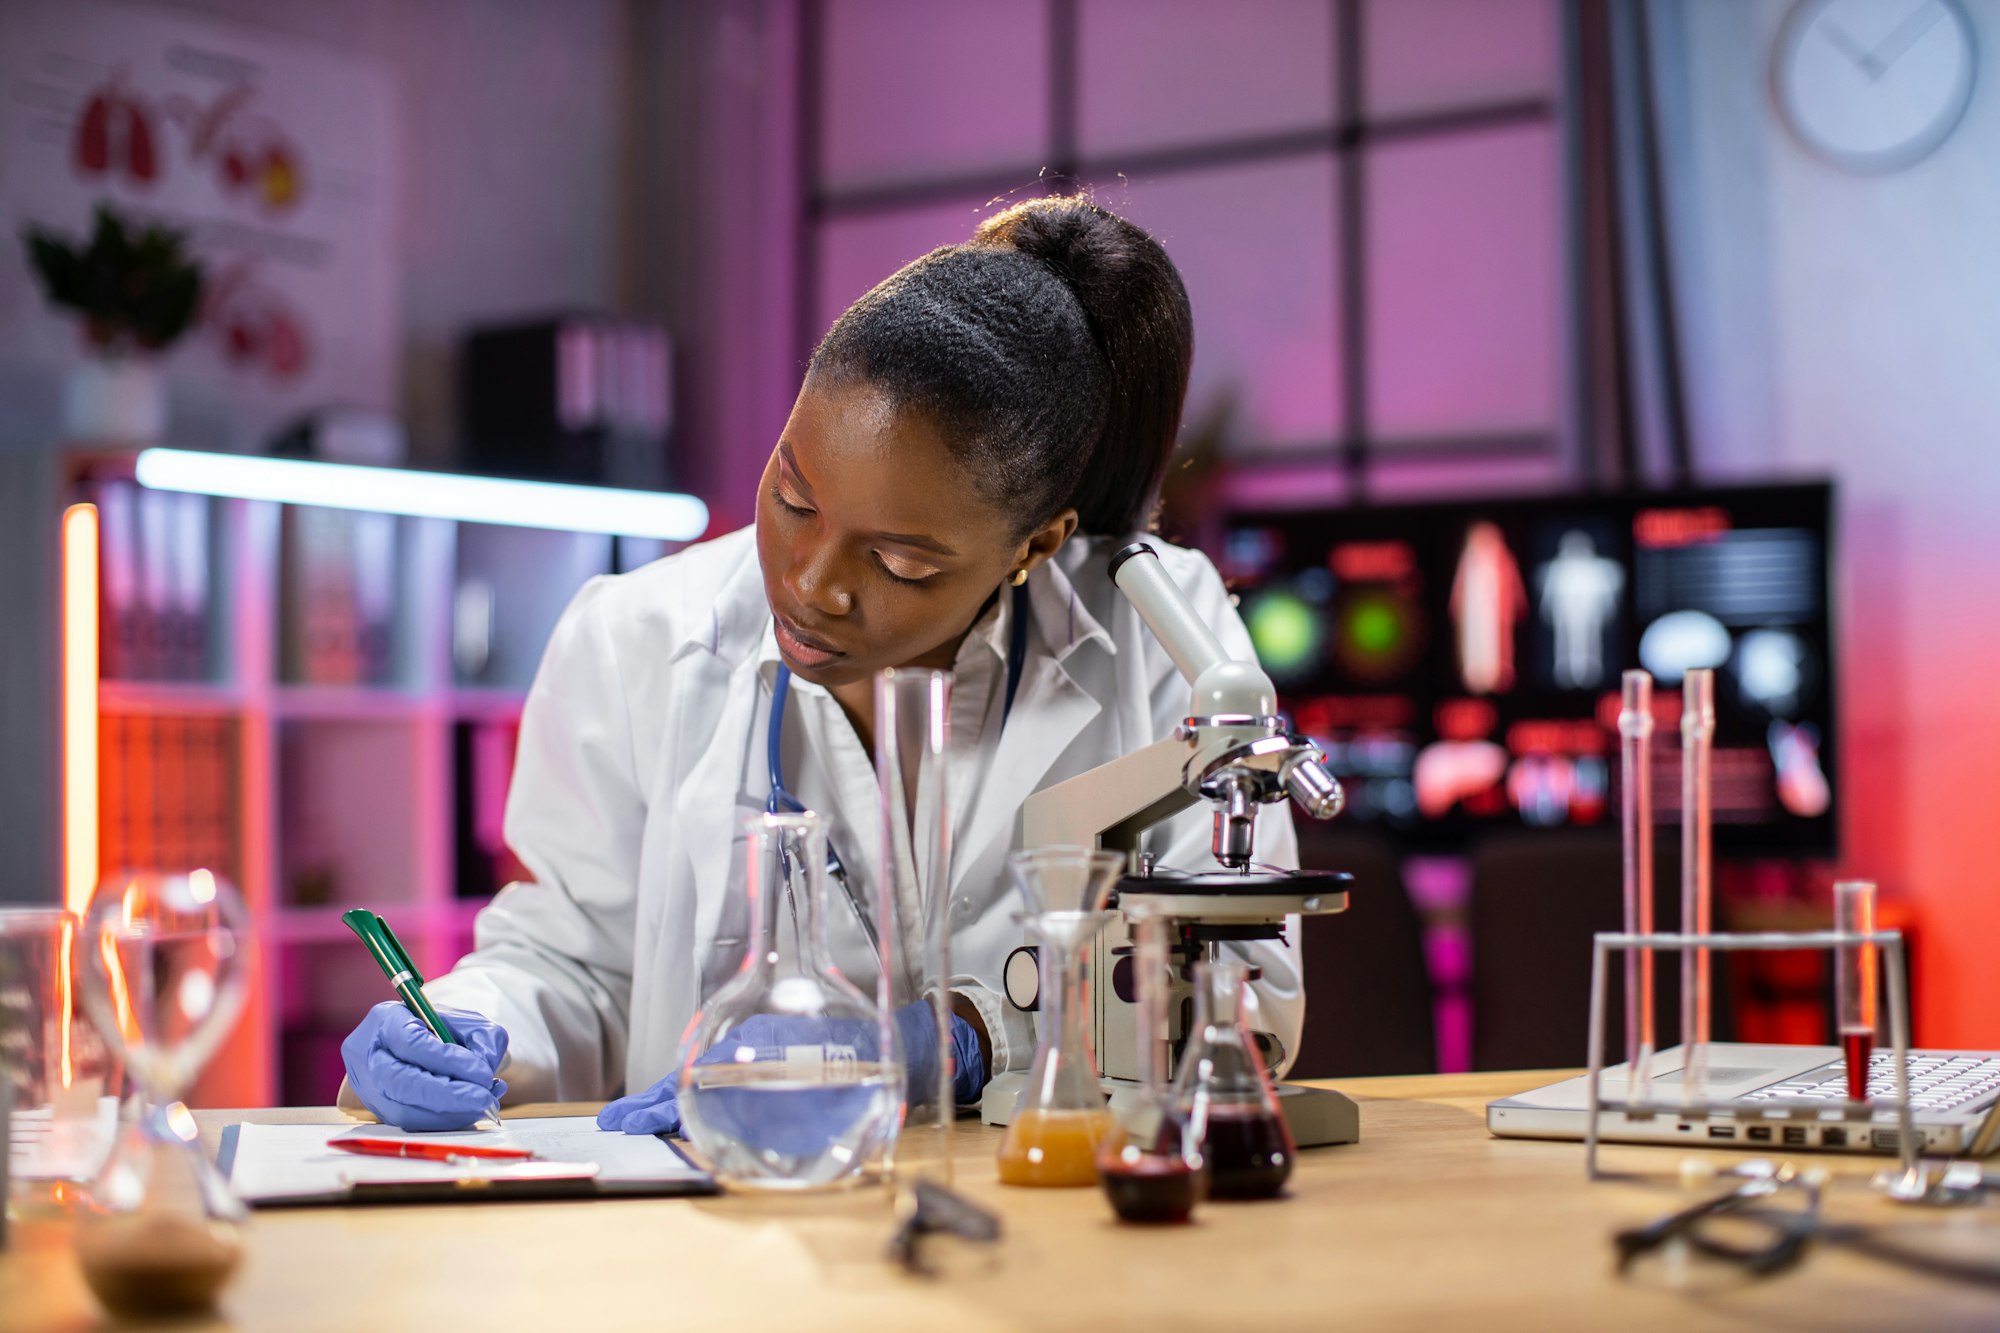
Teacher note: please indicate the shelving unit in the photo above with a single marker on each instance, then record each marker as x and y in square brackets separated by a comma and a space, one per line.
[343, 794]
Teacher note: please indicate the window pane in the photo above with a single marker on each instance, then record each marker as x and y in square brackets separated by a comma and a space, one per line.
[857, 252]
[1426, 55]
[915, 89]
[1173, 72]
[1464, 287]
[1256, 246]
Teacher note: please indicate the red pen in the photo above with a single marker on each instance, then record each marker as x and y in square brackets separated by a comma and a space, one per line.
[429, 1152]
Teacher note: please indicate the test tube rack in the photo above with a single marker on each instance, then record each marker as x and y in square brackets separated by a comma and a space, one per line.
[1775, 1111]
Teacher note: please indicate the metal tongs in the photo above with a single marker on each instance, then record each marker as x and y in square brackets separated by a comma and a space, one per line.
[929, 1208]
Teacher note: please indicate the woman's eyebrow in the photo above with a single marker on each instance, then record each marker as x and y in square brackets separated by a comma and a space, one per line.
[919, 541]
[791, 461]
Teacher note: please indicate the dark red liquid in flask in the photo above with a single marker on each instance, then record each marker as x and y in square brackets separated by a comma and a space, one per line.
[1859, 1047]
[1249, 1153]
[1151, 1189]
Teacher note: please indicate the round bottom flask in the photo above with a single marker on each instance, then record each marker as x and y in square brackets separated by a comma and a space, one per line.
[793, 1079]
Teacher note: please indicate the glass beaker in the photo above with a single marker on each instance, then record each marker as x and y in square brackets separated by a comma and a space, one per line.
[62, 1076]
[1226, 1094]
[1061, 1119]
[1150, 1165]
[166, 965]
[793, 1078]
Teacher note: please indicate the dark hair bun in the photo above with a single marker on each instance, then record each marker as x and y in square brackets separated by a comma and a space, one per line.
[1138, 311]
[1053, 352]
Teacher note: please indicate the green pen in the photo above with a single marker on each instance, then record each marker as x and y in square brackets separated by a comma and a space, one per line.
[404, 979]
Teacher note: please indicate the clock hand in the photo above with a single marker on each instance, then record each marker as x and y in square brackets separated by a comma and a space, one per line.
[1904, 37]
[1848, 46]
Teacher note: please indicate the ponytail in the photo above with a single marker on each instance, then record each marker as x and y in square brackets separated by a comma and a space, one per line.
[1139, 318]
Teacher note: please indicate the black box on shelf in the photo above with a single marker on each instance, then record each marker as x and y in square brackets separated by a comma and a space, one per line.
[577, 398]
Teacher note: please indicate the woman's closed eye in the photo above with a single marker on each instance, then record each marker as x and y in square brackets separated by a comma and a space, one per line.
[905, 570]
[778, 498]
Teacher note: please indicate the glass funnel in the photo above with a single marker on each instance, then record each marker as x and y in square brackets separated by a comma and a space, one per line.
[793, 1078]
[1149, 1162]
[165, 968]
[1060, 1120]
[1226, 1093]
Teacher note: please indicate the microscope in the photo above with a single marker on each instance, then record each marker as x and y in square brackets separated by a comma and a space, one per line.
[1234, 752]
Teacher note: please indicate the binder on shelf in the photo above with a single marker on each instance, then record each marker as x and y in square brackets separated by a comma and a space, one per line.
[483, 755]
[121, 609]
[338, 593]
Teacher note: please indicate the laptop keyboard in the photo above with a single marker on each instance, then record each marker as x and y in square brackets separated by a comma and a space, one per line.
[1938, 1082]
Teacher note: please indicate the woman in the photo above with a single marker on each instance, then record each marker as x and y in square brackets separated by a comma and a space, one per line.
[974, 438]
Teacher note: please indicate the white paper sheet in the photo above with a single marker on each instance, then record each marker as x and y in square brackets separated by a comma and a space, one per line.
[275, 1162]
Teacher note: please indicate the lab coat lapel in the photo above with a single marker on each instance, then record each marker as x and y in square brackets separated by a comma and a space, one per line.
[1050, 711]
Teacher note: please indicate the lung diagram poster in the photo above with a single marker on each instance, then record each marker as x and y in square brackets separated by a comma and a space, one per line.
[276, 157]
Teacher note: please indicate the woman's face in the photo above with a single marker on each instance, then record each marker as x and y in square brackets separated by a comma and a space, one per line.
[876, 550]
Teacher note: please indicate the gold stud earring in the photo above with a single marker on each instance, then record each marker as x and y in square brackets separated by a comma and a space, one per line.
[1020, 577]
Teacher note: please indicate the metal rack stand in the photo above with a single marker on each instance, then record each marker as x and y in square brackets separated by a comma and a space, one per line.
[1775, 1111]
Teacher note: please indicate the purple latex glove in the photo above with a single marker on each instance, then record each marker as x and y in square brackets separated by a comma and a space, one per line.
[410, 1079]
[657, 1109]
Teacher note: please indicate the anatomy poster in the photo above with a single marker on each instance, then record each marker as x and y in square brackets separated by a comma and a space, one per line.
[276, 157]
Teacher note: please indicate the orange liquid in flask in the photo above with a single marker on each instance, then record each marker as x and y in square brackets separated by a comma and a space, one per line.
[1053, 1147]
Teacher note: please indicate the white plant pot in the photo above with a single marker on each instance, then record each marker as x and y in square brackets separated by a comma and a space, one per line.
[115, 400]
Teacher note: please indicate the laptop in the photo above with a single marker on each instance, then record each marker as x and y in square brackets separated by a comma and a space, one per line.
[1953, 1096]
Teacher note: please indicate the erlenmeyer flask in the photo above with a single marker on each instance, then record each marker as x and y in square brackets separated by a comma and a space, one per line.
[165, 967]
[1226, 1094]
[1150, 1164]
[793, 1079]
[1061, 1119]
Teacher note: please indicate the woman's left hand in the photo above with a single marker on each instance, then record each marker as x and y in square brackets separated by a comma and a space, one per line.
[657, 1109]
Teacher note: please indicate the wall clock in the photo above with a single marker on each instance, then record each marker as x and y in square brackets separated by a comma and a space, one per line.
[1872, 86]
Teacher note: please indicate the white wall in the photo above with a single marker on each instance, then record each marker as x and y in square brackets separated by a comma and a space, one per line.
[1850, 326]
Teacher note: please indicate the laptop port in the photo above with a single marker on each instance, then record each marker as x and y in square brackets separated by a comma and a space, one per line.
[1758, 1133]
[1722, 1131]
[1833, 1138]
[1888, 1140]
[1795, 1136]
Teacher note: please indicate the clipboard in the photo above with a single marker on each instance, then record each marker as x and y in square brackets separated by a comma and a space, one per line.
[291, 1174]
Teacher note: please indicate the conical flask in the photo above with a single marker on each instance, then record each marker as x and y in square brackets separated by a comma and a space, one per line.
[1061, 1119]
[1150, 1163]
[1226, 1094]
[792, 1079]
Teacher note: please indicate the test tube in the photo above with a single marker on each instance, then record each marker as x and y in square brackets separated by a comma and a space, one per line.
[913, 904]
[1697, 736]
[1635, 729]
[1855, 991]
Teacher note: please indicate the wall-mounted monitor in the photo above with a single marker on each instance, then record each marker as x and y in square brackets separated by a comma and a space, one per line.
[1460, 662]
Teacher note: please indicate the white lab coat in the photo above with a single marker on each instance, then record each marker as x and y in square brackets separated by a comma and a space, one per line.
[643, 746]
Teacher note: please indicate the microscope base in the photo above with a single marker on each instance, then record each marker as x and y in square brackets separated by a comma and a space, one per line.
[1318, 1117]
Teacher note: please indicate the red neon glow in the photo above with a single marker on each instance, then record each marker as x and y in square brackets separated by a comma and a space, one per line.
[79, 705]
[1372, 562]
[1658, 528]
[1361, 712]
[1466, 719]
[1556, 736]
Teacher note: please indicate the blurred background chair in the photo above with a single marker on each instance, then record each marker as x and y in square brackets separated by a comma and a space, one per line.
[1536, 900]
[1368, 989]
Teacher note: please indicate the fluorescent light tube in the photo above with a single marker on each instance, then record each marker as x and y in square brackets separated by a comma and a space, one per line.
[666, 515]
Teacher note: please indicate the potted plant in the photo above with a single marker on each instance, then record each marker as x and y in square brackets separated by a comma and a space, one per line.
[136, 291]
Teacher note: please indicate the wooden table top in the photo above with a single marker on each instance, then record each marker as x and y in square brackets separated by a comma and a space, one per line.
[1428, 1222]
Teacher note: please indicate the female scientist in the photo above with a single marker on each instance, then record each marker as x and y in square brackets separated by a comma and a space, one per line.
[974, 438]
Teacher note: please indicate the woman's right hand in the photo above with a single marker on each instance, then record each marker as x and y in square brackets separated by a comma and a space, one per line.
[412, 1080]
